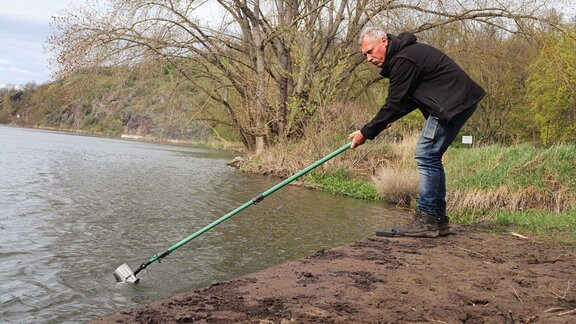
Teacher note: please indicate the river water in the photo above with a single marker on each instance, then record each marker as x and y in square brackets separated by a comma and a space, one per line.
[74, 208]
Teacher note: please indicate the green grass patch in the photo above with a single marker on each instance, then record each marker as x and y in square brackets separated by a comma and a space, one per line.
[519, 167]
[560, 226]
[340, 182]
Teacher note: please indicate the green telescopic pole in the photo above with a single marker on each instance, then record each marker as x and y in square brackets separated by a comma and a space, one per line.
[247, 204]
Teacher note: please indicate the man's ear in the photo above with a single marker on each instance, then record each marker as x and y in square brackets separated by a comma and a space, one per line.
[384, 41]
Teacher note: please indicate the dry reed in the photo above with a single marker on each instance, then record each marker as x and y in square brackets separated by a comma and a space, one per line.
[397, 186]
[397, 181]
[329, 129]
[512, 200]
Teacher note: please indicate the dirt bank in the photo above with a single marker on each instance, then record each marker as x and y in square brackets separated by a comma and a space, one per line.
[472, 277]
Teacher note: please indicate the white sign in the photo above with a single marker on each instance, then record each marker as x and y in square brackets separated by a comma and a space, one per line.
[466, 139]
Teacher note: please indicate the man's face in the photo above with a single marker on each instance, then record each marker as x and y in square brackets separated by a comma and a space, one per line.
[375, 51]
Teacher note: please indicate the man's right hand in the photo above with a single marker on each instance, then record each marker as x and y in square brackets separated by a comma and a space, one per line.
[357, 139]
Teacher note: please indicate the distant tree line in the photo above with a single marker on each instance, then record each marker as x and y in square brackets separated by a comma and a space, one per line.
[262, 71]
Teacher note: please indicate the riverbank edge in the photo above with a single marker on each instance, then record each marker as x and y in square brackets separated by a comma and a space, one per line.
[216, 145]
[533, 221]
[493, 278]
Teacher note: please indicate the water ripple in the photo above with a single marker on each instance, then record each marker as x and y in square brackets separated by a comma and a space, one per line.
[73, 208]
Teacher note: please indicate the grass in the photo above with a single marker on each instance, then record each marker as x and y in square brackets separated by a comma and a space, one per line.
[340, 182]
[513, 178]
[559, 226]
[515, 167]
[524, 189]
[529, 189]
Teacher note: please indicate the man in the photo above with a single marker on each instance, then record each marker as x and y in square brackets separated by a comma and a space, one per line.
[424, 78]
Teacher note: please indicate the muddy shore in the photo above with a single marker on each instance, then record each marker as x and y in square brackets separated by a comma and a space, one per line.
[473, 277]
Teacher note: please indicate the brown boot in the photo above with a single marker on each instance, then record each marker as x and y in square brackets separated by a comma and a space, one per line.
[444, 226]
[422, 225]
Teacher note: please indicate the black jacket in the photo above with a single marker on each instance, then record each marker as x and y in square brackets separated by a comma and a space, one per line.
[422, 77]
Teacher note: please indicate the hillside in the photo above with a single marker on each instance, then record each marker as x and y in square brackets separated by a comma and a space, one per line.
[148, 101]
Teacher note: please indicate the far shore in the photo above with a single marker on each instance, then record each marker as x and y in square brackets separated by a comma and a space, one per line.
[234, 147]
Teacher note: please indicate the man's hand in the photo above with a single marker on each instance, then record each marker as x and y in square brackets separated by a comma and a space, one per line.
[357, 139]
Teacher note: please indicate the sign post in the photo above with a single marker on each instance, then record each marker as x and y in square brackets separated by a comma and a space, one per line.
[468, 140]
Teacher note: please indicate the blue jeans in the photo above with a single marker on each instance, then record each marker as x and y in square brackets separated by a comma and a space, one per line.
[431, 146]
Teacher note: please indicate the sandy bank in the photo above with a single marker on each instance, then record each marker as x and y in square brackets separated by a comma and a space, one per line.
[471, 277]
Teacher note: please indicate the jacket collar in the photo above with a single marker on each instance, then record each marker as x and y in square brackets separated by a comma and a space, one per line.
[395, 44]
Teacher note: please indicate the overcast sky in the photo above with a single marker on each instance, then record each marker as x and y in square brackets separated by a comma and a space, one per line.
[24, 28]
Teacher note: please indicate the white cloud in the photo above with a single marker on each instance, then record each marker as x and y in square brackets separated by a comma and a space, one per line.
[24, 28]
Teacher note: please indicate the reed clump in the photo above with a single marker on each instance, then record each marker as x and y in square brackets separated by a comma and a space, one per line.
[397, 186]
[397, 180]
